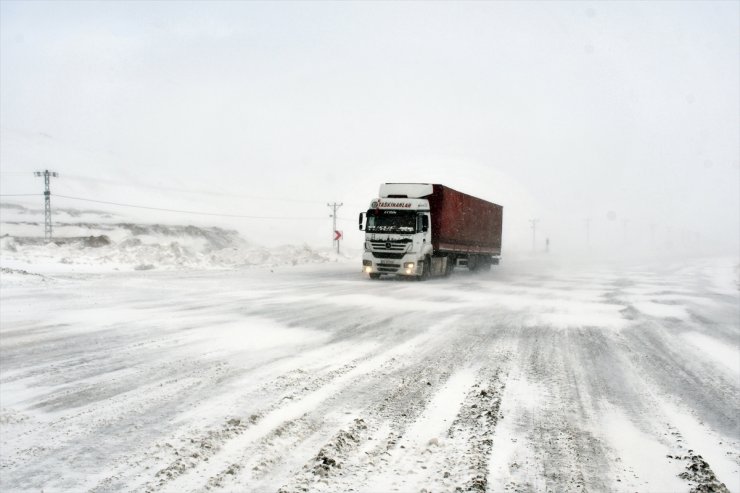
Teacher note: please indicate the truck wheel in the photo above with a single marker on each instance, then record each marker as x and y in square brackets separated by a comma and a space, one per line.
[374, 275]
[427, 272]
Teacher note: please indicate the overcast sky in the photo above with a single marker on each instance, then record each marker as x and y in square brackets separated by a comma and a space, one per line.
[559, 111]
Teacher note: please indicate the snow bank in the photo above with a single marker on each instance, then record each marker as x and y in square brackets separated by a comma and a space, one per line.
[92, 245]
[150, 252]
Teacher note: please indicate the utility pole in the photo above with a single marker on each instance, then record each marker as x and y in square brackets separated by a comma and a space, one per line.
[534, 227]
[47, 201]
[337, 235]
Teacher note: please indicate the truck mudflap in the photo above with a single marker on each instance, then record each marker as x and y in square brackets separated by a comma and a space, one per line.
[441, 266]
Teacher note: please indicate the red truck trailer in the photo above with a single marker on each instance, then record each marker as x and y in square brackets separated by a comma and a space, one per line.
[422, 229]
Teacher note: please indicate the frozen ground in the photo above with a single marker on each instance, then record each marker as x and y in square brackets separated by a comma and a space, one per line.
[314, 378]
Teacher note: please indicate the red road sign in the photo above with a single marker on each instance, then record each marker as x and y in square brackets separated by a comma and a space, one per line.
[337, 235]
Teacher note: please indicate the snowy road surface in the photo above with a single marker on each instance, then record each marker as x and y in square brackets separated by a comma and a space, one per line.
[314, 378]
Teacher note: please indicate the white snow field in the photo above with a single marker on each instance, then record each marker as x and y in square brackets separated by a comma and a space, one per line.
[315, 378]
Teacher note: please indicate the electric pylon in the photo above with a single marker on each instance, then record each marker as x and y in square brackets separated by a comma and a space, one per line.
[47, 201]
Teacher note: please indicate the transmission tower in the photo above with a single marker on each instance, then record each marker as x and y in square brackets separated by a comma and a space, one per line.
[337, 234]
[533, 222]
[47, 201]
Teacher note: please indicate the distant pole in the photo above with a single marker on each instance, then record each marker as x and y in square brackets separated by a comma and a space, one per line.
[334, 208]
[588, 231]
[534, 227]
[47, 201]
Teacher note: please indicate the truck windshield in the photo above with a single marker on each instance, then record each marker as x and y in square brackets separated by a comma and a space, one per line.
[389, 221]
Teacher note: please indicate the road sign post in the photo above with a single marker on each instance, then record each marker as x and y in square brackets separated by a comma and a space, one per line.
[338, 236]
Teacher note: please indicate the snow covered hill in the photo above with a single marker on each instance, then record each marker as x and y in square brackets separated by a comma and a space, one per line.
[87, 240]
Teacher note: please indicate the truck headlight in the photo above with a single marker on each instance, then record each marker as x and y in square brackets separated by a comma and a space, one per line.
[408, 265]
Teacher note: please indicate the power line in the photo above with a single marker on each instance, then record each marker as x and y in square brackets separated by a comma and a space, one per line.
[183, 190]
[339, 218]
[185, 211]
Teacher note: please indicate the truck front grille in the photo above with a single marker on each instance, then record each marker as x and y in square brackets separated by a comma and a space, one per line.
[389, 246]
[396, 256]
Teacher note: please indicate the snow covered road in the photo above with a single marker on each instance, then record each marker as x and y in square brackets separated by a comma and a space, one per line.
[314, 378]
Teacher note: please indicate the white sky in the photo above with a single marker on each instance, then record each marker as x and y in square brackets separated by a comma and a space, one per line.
[556, 110]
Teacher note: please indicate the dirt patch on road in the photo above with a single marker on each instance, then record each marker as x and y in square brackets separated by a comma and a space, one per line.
[700, 475]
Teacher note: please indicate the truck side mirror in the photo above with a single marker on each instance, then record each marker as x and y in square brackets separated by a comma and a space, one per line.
[360, 220]
[425, 223]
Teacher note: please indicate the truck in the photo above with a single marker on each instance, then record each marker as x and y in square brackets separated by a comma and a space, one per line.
[422, 230]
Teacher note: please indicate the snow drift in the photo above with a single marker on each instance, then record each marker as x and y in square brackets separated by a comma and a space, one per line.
[94, 243]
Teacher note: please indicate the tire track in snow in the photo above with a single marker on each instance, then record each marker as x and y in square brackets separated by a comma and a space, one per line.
[202, 444]
[472, 432]
[447, 447]
[199, 448]
[389, 432]
[71, 436]
[196, 445]
[407, 382]
[545, 442]
[384, 424]
[232, 449]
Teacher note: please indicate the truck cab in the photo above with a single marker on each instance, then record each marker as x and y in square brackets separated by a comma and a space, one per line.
[397, 237]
